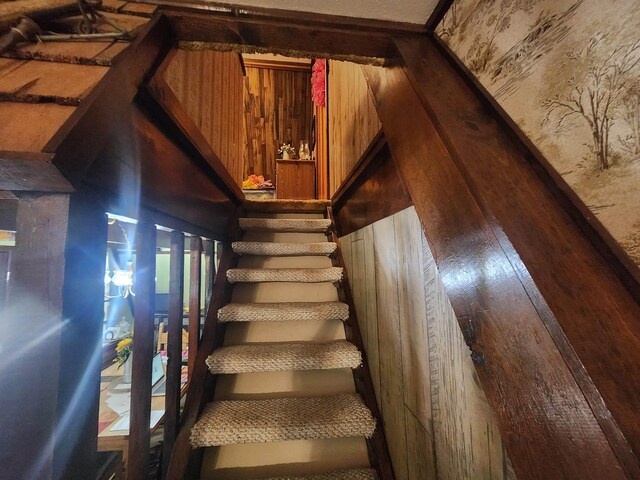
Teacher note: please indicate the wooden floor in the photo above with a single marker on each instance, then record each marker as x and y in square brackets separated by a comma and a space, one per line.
[436, 418]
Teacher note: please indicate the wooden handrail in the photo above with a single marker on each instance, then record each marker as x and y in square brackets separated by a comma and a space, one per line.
[202, 383]
[377, 445]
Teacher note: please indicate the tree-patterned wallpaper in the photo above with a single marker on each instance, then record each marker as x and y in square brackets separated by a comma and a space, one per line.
[568, 73]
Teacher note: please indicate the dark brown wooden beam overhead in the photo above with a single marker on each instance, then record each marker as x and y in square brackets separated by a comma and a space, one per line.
[100, 112]
[581, 299]
[546, 423]
[272, 35]
[299, 17]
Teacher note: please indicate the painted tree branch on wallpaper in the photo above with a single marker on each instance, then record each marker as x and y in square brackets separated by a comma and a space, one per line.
[596, 98]
[568, 73]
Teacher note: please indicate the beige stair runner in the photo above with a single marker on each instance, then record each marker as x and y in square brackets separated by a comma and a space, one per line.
[351, 474]
[285, 224]
[303, 275]
[283, 312]
[274, 249]
[280, 419]
[274, 357]
[228, 423]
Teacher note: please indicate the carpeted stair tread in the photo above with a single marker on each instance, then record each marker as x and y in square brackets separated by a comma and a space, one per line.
[276, 357]
[275, 249]
[303, 275]
[286, 224]
[350, 474]
[279, 419]
[283, 312]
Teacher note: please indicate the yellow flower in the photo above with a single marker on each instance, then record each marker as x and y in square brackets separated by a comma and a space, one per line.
[123, 343]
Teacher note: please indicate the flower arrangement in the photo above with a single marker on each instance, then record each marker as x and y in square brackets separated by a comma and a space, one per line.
[123, 350]
[318, 82]
[286, 151]
[256, 181]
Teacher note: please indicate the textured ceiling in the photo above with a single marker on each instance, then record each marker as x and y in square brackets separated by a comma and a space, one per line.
[411, 11]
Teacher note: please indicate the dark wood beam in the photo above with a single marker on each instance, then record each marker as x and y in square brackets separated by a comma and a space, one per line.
[188, 135]
[78, 395]
[439, 11]
[31, 171]
[563, 267]
[32, 326]
[295, 17]
[547, 424]
[209, 270]
[372, 191]
[100, 112]
[282, 37]
[143, 348]
[174, 347]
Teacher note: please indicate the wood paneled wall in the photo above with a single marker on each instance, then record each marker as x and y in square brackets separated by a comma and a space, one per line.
[277, 109]
[209, 85]
[353, 120]
[436, 417]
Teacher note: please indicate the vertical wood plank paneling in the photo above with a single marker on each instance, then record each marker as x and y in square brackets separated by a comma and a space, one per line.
[390, 344]
[277, 109]
[437, 421]
[209, 85]
[353, 120]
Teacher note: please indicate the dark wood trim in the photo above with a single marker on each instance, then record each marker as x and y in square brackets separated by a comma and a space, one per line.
[438, 13]
[31, 171]
[209, 270]
[287, 206]
[143, 347]
[174, 347]
[278, 36]
[29, 382]
[202, 383]
[195, 272]
[277, 65]
[373, 190]
[517, 360]
[377, 143]
[191, 138]
[297, 17]
[99, 115]
[610, 248]
[81, 339]
[242, 65]
[561, 269]
[377, 445]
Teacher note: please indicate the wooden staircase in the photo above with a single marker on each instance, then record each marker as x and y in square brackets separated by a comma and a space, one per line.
[283, 384]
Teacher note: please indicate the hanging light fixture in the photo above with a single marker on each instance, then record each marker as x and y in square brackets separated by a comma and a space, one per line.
[123, 279]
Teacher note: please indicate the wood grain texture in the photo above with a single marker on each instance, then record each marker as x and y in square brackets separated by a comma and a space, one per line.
[277, 109]
[529, 387]
[81, 53]
[143, 347]
[426, 374]
[311, 40]
[31, 171]
[295, 179]
[195, 292]
[40, 82]
[353, 120]
[28, 128]
[321, 153]
[563, 268]
[34, 304]
[209, 85]
[372, 191]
